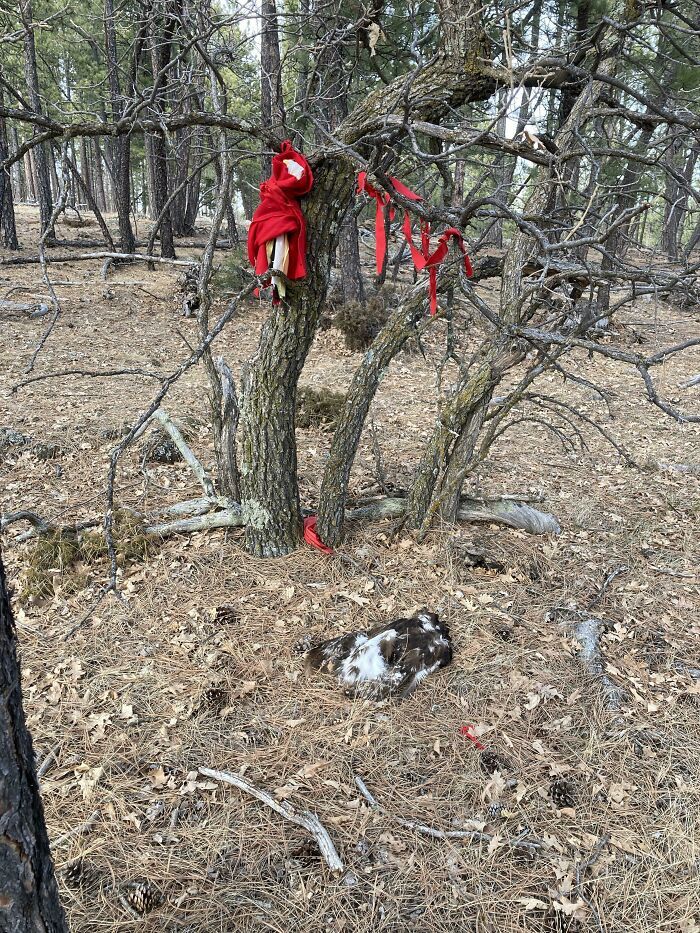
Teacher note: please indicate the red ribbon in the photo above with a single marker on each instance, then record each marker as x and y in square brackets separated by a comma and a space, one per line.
[468, 733]
[311, 535]
[383, 201]
[422, 258]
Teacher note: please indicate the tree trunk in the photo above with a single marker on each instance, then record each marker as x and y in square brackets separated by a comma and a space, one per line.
[160, 58]
[351, 283]
[41, 158]
[676, 197]
[28, 891]
[121, 147]
[346, 437]
[100, 195]
[271, 98]
[7, 207]
[270, 492]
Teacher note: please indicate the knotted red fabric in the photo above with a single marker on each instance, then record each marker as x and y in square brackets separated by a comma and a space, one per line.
[423, 258]
[383, 201]
[279, 212]
[311, 535]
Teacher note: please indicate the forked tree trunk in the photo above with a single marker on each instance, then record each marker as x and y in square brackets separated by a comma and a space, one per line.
[270, 493]
[28, 892]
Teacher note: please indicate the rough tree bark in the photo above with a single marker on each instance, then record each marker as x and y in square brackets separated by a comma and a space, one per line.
[121, 146]
[7, 207]
[28, 892]
[161, 35]
[346, 438]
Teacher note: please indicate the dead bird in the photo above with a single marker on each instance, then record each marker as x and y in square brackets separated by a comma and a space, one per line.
[389, 660]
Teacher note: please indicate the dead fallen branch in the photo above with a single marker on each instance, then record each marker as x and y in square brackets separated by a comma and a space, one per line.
[502, 511]
[101, 254]
[470, 835]
[587, 631]
[305, 819]
[187, 454]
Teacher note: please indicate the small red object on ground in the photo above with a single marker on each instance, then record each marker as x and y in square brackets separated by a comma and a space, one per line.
[311, 535]
[468, 733]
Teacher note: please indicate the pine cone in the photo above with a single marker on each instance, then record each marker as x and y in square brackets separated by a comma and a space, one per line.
[563, 793]
[215, 699]
[143, 897]
[494, 812]
[491, 761]
[225, 615]
[78, 872]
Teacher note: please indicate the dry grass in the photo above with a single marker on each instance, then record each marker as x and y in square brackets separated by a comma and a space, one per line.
[153, 688]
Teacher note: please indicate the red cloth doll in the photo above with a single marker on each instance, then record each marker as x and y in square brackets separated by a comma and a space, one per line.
[277, 234]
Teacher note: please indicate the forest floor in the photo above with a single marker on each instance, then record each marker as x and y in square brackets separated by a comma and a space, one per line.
[198, 665]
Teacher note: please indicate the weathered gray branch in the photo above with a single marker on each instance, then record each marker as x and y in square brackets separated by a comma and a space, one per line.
[307, 820]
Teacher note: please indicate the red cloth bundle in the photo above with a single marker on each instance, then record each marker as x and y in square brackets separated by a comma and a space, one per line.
[279, 212]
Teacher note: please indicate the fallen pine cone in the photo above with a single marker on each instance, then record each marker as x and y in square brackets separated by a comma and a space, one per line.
[563, 793]
[143, 897]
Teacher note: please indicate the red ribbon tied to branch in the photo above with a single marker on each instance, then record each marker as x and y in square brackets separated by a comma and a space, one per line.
[422, 257]
[383, 201]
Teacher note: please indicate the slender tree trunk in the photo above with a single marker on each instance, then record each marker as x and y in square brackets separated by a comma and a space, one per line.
[19, 181]
[28, 892]
[161, 37]
[121, 148]
[7, 207]
[41, 157]
[86, 166]
[271, 98]
[29, 175]
[346, 437]
[100, 195]
[676, 198]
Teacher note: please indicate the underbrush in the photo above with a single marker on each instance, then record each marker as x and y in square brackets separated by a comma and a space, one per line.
[69, 558]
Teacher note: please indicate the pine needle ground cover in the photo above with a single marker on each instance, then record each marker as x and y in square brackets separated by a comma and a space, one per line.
[592, 819]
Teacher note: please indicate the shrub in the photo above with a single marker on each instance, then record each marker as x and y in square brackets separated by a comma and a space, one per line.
[318, 407]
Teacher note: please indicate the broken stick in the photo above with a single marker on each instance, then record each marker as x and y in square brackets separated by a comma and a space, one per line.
[305, 819]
